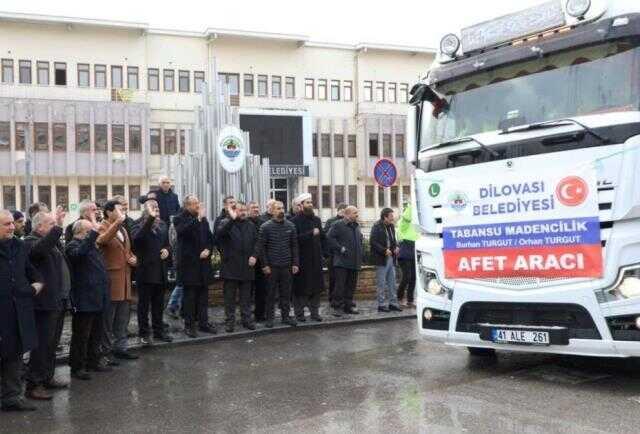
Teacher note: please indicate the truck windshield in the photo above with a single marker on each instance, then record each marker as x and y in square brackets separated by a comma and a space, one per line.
[597, 79]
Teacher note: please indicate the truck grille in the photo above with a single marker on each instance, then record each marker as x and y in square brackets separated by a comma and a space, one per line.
[572, 316]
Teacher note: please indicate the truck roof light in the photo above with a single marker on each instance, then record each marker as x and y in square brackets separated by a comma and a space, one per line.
[578, 8]
[450, 44]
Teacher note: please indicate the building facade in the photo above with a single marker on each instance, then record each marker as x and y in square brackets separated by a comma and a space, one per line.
[108, 102]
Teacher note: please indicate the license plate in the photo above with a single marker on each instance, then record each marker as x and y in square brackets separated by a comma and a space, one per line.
[505, 336]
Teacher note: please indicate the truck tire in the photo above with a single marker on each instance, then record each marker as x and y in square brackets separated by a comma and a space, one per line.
[481, 352]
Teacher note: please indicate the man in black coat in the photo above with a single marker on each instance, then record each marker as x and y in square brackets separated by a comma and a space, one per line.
[278, 253]
[151, 247]
[237, 237]
[260, 282]
[168, 201]
[228, 202]
[19, 222]
[90, 295]
[34, 209]
[384, 251]
[348, 251]
[46, 255]
[327, 228]
[312, 242]
[20, 282]
[88, 211]
[195, 244]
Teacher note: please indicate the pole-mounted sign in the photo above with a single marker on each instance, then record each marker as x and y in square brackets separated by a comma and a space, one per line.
[231, 149]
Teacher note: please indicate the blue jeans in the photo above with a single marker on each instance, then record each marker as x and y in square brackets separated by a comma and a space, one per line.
[175, 301]
[386, 283]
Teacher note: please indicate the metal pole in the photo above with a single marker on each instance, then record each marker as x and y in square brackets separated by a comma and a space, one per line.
[28, 149]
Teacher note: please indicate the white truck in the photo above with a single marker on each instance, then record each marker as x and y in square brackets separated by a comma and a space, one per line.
[526, 134]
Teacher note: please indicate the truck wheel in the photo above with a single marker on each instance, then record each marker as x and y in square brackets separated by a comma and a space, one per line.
[481, 352]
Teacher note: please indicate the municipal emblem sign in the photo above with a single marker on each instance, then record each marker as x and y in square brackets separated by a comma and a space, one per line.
[231, 149]
[385, 173]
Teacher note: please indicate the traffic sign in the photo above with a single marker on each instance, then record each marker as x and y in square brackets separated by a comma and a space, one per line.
[385, 173]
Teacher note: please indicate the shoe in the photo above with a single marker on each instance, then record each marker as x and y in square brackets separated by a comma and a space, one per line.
[173, 313]
[336, 313]
[165, 337]
[56, 385]
[290, 321]
[81, 375]
[209, 328]
[125, 355]
[39, 393]
[191, 332]
[269, 324]
[229, 328]
[383, 309]
[146, 341]
[100, 368]
[316, 318]
[19, 405]
[394, 308]
[352, 311]
[249, 325]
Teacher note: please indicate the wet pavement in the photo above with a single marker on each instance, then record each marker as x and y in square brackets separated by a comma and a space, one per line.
[370, 378]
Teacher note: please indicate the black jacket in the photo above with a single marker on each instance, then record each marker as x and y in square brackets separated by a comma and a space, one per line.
[216, 223]
[238, 240]
[382, 237]
[278, 244]
[347, 235]
[311, 248]
[193, 237]
[330, 222]
[89, 277]
[46, 255]
[17, 323]
[168, 203]
[68, 231]
[147, 241]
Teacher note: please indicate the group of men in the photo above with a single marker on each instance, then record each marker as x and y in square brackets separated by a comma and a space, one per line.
[264, 259]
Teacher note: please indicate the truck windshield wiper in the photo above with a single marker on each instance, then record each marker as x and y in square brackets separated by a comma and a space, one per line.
[465, 140]
[554, 124]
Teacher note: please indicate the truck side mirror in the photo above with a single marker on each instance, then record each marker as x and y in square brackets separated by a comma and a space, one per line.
[412, 141]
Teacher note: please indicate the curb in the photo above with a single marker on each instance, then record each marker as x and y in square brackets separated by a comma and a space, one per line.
[223, 336]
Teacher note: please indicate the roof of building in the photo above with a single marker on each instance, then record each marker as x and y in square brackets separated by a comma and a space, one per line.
[301, 40]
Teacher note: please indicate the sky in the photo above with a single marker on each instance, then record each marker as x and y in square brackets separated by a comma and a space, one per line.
[404, 22]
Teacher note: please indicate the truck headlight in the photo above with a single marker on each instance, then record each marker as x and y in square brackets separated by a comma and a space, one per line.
[629, 283]
[578, 8]
[430, 282]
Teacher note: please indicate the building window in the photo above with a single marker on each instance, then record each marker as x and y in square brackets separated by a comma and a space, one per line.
[84, 192]
[368, 196]
[153, 79]
[351, 140]
[170, 147]
[326, 196]
[290, 87]
[248, 85]
[24, 203]
[169, 78]
[100, 137]
[404, 89]
[21, 133]
[5, 135]
[263, 86]
[314, 144]
[132, 77]
[380, 197]
[391, 93]
[276, 86]
[60, 137]
[184, 84]
[380, 91]
[232, 81]
[117, 190]
[373, 145]
[102, 194]
[100, 76]
[399, 145]
[135, 138]
[83, 75]
[386, 145]
[325, 145]
[62, 196]
[60, 73]
[183, 142]
[83, 138]
[24, 72]
[308, 88]
[134, 194]
[338, 145]
[353, 195]
[338, 195]
[347, 90]
[322, 89]
[368, 91]
[154, 143]
[198, 81]
[44, 195]
[116, 77]
[117, 138]
[395, 200]
[7, 73]
[41, 130]
[335, 90]
[406, 194]
[9, 197]
[43, 73]
[313, 191]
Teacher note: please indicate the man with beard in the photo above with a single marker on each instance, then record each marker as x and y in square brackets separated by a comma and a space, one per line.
[278, 253]
[19, 223]
[327, 227]
[228, 202]
[260, 282]
[268, 213]
[309, 282]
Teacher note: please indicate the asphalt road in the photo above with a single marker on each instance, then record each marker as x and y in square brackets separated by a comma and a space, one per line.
[369, 378]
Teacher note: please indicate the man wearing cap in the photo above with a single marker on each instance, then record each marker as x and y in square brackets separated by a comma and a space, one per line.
[19, 223]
